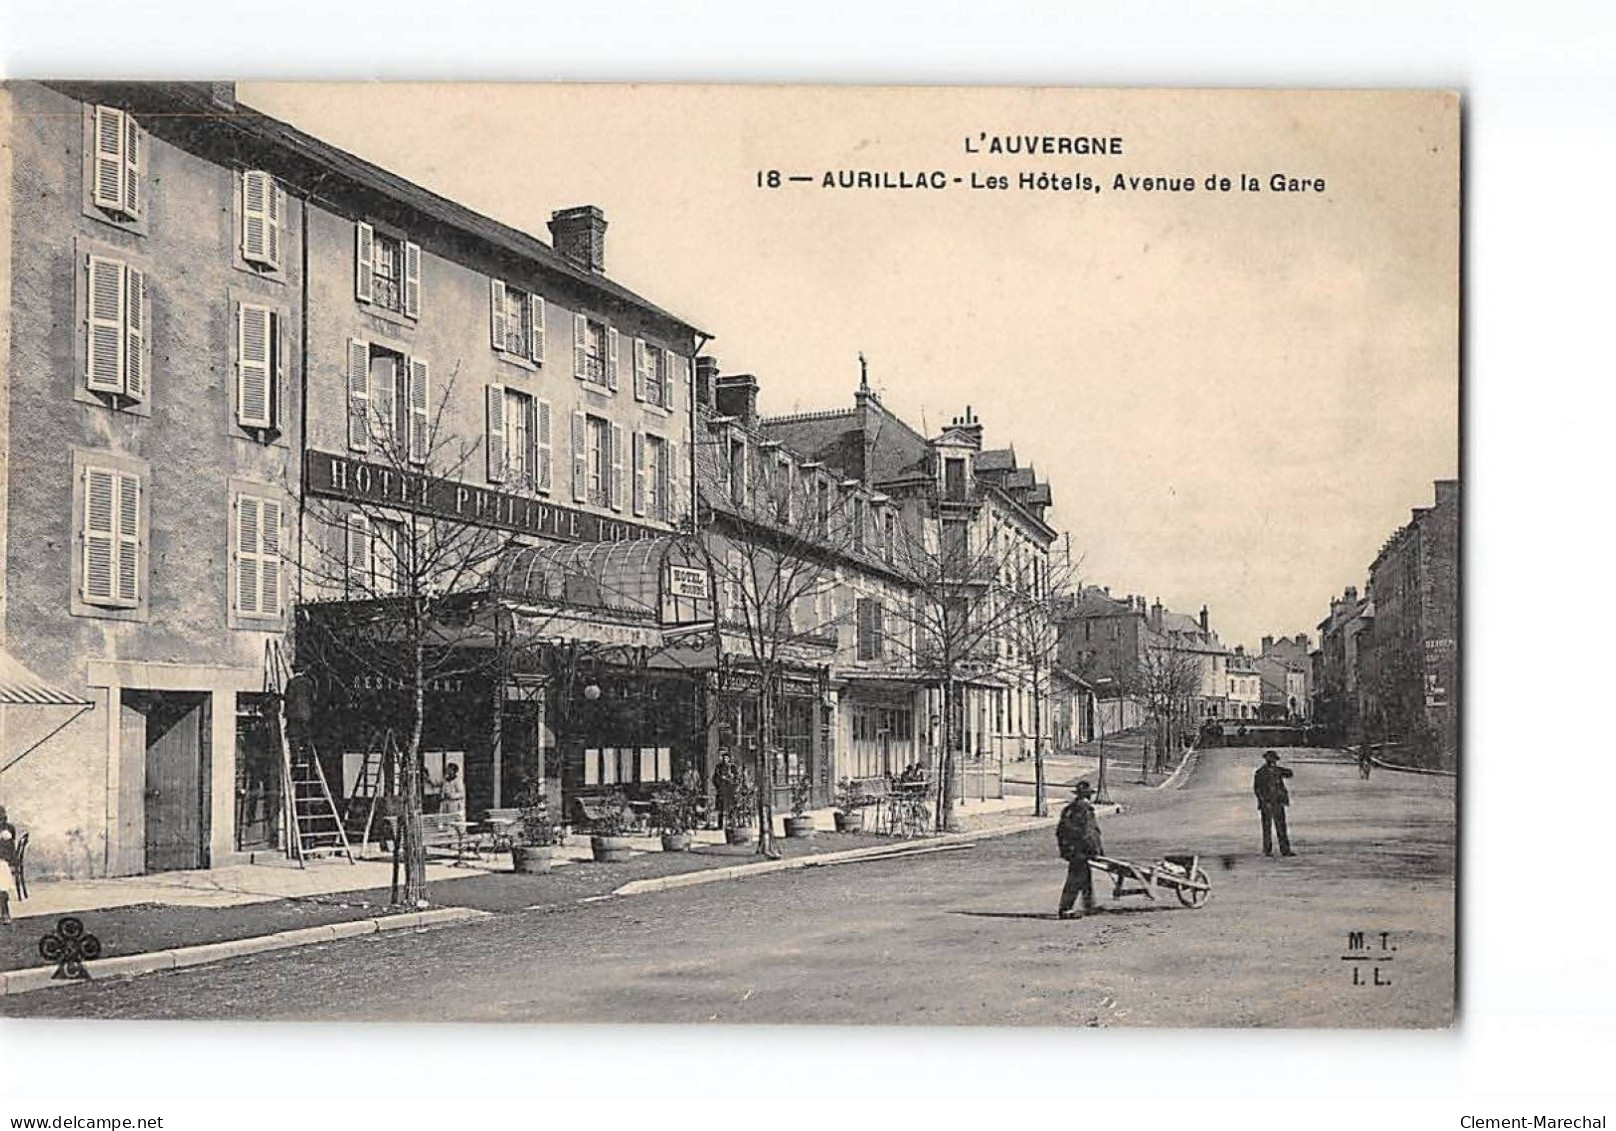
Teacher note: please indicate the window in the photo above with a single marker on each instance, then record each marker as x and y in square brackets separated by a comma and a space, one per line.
[387, 271]
[822, 506]
[518, 439]
[389, 399]
[889, 534]
[653, 477]
[258, 367]
[594, 352]
[518, 322]
[786, 484]
[858, 523]
[597, 461]
[262, 205]
[116, 184]
[258, 556]
[116, 359]
[956, 543]
[871, 645]
[737, 470]
[653, 374]
[112, 533]
[954, 478]
[376, 554]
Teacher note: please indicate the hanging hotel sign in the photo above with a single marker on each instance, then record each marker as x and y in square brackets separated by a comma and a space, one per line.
[356, 481]
[685, 581]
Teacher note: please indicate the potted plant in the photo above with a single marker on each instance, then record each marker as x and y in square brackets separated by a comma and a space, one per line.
[674, 811]
[608, 832]
[800, 825]
[850, 803]
[535, 836]
[742, 815]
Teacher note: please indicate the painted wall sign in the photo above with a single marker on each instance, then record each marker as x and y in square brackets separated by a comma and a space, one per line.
[341, 477]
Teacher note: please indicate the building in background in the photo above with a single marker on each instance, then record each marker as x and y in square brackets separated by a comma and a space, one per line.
[1335, 704]
[1244, 684]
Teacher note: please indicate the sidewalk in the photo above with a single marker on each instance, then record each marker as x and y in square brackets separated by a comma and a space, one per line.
[141, 914]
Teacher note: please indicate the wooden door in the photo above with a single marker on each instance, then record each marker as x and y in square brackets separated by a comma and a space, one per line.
[175, 830]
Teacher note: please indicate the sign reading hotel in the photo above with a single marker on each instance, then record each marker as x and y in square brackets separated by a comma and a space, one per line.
[356, 481]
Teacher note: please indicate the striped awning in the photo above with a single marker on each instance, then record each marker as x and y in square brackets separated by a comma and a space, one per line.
[19, 685]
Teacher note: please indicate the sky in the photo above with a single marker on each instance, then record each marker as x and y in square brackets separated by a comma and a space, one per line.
[1236, 396]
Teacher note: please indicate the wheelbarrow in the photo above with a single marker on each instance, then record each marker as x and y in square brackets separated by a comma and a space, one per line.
[1179, 873]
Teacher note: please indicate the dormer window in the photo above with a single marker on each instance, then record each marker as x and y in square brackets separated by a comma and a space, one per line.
[954, 472]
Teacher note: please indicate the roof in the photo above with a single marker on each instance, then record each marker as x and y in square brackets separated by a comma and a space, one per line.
[997, 459]
[624, 577]
[1091, 603]
[20, 685]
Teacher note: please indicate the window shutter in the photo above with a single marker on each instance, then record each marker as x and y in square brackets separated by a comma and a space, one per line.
[110, 168]
[364, 262]
[100, 534]
[617, 467]
[545, 448]
[358, 394]
[128, 539]
[269, 599]
[248, 583]
[494, 437]
[580, 346]
[638, 459]
[580, 457]
[104, 346]
[384, 394]
[412, 280]
[273, 203]
[358, 551]
[420, 399]
[135, 324]
[877, 630]
[535, 333]
[255, 187]
[640, 356]
[132, 166]
[252, 366]
[496, 307]
[611, 359]
[277, 378]
[664, 477]
[676, 365]
[865, 629]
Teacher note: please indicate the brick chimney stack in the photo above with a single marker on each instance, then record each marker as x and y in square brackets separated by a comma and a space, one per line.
[580, 235]
[707, 381]
[736, 394]
[1206, 620]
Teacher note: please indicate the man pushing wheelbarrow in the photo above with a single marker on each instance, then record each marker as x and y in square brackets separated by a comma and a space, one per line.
[1077, 834]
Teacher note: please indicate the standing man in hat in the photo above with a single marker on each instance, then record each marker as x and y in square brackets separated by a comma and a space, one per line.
[1078, 836]
[726, 784]
[1272, 797]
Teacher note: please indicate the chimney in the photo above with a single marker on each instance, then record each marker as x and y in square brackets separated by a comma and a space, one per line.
[580, 235]
[706, 381]
[1447, 491]
[1302, 641]
[1267, 645]
[1350, 597]
[1155, 614]
[736, 394]
[969, 427]
[1206, 620]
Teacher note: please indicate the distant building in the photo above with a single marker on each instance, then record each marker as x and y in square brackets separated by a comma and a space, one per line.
[1244, 684]
[1335, 701]
[1286, 667]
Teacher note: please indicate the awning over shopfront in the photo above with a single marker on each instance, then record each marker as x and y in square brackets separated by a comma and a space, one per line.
[662, 579]
[19, 685]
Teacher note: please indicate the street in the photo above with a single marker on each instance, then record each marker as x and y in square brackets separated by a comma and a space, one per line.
[952, 937]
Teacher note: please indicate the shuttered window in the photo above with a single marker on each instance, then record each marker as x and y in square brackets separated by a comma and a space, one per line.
[258, 345]
[111, 550]
[118, 164]
[618, 441]
[516, 321]
[544, 447]
[116, 311]
[870, 643]
[419, 401]
[358, 553]
[494, 433]
[261, 208]
[387, 271]
[358, 377]
[640, 448]
[258, 556]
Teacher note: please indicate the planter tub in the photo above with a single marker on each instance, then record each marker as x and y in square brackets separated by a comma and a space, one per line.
[738, 836]
[675, 842]
[849, 822]
[609, 849]
[799, 828]
[531, 859]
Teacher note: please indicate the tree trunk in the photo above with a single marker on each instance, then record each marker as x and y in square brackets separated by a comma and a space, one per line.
[765, 767]
[410, 838]
[945, 787]
[1040, 799]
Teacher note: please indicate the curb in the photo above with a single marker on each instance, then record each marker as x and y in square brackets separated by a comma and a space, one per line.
[1376, 762]
[744, 871]
[133, 965]
[1186, 766]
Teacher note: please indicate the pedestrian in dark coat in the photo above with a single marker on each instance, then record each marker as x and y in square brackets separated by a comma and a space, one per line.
[1078, 836]
[726, 782]
[1272, 797]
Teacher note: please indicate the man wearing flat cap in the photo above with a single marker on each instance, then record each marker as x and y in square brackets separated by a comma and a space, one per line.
[1272, 797]
[1078, 836]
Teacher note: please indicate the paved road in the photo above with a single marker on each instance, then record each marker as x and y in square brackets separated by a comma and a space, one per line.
[960, 937]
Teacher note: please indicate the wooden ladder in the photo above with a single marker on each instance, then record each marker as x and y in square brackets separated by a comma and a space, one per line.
[315, 827]
[370, 783]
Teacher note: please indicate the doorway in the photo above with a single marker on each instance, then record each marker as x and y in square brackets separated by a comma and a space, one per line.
[176, 780]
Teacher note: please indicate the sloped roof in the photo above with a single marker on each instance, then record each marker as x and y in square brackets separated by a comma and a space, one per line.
[997, 459]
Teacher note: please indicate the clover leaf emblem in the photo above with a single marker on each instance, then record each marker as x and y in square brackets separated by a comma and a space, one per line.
[70, 947]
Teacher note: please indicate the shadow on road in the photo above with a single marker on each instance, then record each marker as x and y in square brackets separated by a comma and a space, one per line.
[1101, 912]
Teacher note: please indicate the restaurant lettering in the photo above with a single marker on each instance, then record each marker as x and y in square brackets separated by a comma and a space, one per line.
[340, 477]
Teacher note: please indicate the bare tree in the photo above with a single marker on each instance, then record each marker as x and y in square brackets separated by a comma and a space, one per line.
[1164, 678]
[1032, 630]
[391, 591]
[776, 540]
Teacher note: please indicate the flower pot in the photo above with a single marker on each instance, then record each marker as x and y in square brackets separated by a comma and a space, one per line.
[738, 835]
[675, 842]
[849, 822]
[609, 849]
[532, 859]
[799, 828]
